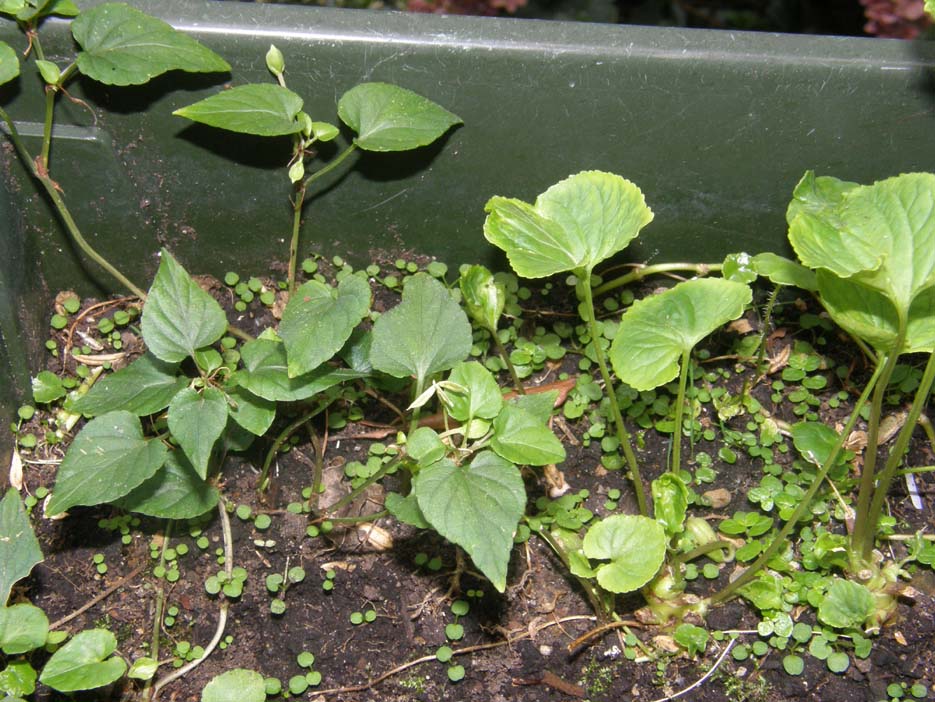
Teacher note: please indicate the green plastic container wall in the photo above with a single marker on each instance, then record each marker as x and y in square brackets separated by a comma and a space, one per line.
[715, 127]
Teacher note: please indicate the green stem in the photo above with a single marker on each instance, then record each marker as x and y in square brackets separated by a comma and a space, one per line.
[767, 321]
[918, 469]
[643, 270]
[335, 162]
[872, 516]
[679, 410]
[281, 438]
[63, 212]
[501, 349]
[594, 595]
[678, 559]
[782, 537]
[51, 92]
[294, 240]
[862, 531]
[414, 421]
[622, 435]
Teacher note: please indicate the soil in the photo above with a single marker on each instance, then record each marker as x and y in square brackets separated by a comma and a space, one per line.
[515, 645]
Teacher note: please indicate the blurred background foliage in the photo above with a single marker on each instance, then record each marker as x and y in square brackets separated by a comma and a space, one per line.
[903, 19]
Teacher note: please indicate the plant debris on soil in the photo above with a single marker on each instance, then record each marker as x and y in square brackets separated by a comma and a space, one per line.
[384, 611]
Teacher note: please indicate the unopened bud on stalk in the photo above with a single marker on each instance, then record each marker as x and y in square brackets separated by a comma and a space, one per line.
[275, 61]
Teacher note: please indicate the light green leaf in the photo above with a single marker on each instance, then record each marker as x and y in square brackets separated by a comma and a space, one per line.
[9, 63]
[23, 628]
[19, 547]
[143, 668]
[655, 331]
[930, 8]
[425, 333]
[144, 387]
[782, 271]
[634, 545]
[389, 118]
[425, 447]
[265, 374]
[17, 680]
[476, 507]
[179, 317]
[483, 296]
[47, 387]
[84, 663]
[818, 195]
[263, 109]
[520, 437]
[846, 605]
[482, 397]
[406, 509]
[107, 459]
[693, 638]
[574, 225]
[319, 319]
[538, 404]
[670, 502]
[196, 420]
[176, 491]
[815, 441]
[238, 685]
[739, 267]
[324, 131]
[253, 413]
[123, 46]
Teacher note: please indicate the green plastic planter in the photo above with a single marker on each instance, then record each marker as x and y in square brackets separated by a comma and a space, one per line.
[715, 127]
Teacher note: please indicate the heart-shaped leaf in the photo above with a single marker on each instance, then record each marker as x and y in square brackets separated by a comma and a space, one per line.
[319, 319]
[425, 333]
[476, 507]
[196, 420]
[253, 413]
[18, 680]
[574, 225]
[84, 663]
[634, 545]
[389, 118]
[23, 628]
[107, 459]
[656, 331]
[176, 491]
[9, 63]
[179, 317]
[265, 374]
[19, 548]
[144, 387]
[263, 109]
[123, 46]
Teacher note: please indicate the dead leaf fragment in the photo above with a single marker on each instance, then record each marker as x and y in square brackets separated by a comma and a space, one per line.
[16, 470]
[718, 498]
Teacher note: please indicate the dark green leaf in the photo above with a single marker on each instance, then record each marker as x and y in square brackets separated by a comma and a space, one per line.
[481, 397]
[265, 374]
[9, 63]
[84, 663]
[123, 46]
[176, 491]
[389, 118]
[196, 420]
[406, 509]
[476, 507]
[319, 319]
[253, 413]
[19, 548]
[263, 109]
[179, 317]
[425, 333]
[144, 387]
[107, 459]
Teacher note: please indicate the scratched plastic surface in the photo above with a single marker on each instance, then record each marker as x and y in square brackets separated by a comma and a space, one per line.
[715, 127]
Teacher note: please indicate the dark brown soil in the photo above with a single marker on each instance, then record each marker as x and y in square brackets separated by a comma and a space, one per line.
[515, 645]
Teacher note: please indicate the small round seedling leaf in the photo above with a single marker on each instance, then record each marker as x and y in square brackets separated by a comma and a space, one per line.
[838, 662]
[123, 46]
[425, 333]
[846, 605]
[84, 663]
[793, 664]
[634, 545]
[9, 63]
[656, 331]
[179, 317]
[389, 118]
[238, 685]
